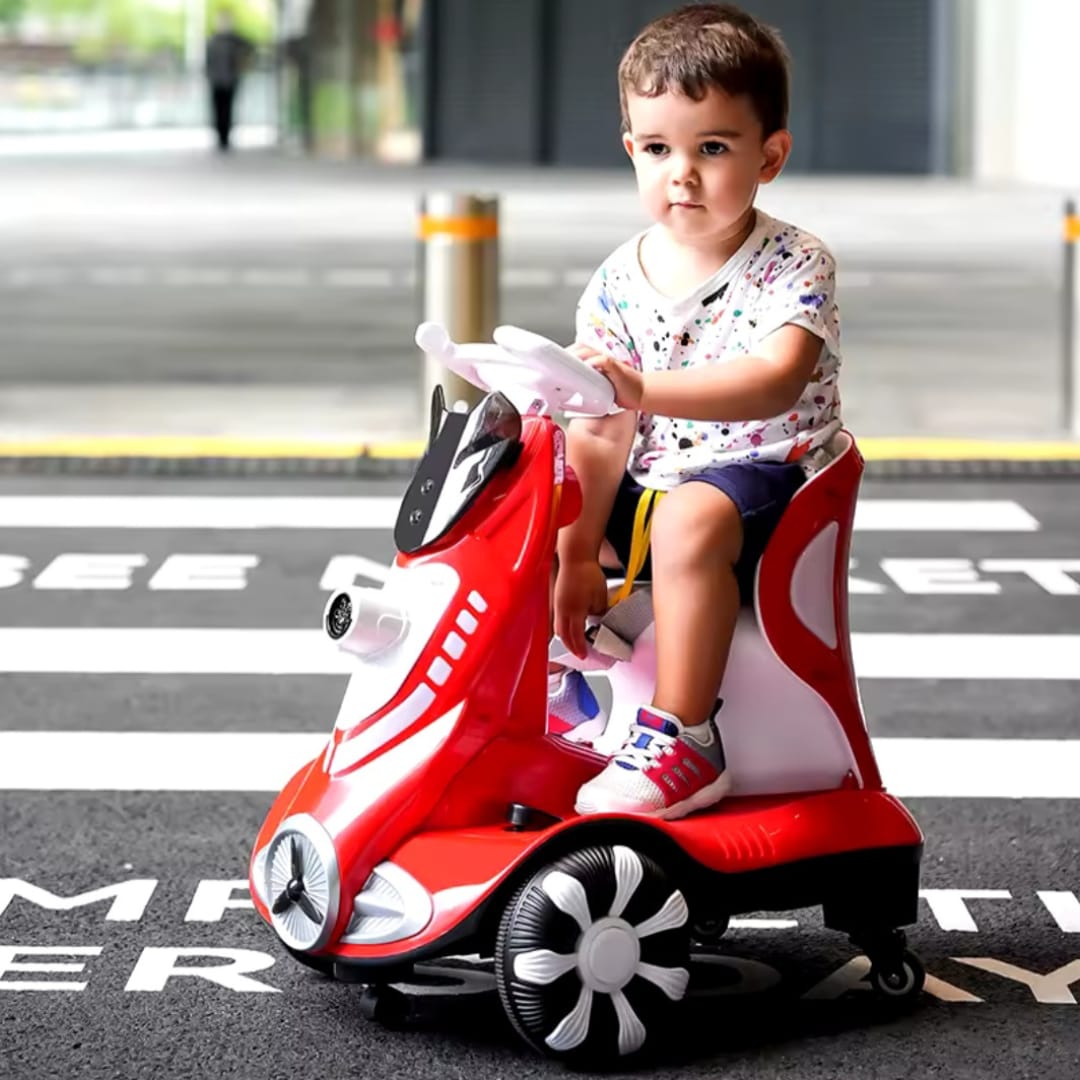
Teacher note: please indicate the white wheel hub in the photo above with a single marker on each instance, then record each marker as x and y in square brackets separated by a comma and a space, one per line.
[608, 955]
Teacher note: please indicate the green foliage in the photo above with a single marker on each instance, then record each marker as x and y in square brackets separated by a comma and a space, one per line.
[139, 29]
[10, 11]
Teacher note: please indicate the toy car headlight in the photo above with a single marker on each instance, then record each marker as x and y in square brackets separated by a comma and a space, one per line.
[364, 621]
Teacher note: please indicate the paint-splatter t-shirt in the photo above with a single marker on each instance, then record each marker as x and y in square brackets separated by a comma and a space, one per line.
[779, 275]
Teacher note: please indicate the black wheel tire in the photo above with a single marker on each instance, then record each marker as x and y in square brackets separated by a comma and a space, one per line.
[899, 980]
[569, 955]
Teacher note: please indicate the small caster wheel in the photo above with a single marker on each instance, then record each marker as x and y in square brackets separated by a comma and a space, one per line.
[899, 978]
[708, 931]
[384, 1005]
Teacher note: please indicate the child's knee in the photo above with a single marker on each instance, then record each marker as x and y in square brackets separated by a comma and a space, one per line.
[696, 521]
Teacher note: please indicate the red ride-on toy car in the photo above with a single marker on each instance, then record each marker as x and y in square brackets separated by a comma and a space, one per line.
[440, 818]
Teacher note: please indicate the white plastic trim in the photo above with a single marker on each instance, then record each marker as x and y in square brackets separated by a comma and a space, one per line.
[392, 903]
[424, 592]
[812, 585]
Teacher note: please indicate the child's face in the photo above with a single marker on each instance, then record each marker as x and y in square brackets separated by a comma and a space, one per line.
[699, 163]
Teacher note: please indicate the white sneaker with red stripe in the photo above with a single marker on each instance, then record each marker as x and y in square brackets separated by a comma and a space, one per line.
[664, 769]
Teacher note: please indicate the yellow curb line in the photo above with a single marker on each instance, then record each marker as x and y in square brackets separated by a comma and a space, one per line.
[873, 449]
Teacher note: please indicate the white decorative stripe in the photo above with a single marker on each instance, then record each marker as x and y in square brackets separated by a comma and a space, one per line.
[383, 730]
[454, 645]
[439, 671]
[568, 895]
[574, 1027]
[673, 981]
[671, 916]
[542, 966]
[628, 875]
[467, 621]
[375, 778]
[477, 601]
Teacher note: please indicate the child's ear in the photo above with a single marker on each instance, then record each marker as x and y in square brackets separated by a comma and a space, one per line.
[774, 154]
[628, 144]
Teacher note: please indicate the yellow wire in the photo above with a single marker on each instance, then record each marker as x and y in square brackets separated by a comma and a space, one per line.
[639, 541]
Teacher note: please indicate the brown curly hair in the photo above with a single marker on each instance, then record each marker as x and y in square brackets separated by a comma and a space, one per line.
[702, 46]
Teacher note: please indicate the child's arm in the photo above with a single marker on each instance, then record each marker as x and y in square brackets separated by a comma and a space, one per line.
[597, 450]
[746, 388]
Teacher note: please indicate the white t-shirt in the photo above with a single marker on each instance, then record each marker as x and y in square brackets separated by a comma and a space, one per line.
[779, 275]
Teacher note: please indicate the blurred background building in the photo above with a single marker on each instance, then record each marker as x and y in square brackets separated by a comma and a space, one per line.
[970, 88]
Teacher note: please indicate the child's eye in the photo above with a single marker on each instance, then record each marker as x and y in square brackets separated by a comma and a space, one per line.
[655, 149]
[713, 149]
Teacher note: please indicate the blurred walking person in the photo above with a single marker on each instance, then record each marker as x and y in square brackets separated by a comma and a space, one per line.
[227, 55]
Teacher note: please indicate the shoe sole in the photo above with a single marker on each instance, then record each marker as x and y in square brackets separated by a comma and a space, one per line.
[700, 800]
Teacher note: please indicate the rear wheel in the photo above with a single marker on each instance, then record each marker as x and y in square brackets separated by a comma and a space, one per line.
[593, 954]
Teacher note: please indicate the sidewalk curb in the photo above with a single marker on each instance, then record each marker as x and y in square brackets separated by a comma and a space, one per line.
[215, 456]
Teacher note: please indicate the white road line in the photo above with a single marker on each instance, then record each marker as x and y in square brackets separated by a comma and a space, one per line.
[521, 277]
[966, 656]
[276, 278]
[358, 278]
[199, 651]
[196, 512]
[942, 515]
[246, 761]
[212, 276]
[380, 512]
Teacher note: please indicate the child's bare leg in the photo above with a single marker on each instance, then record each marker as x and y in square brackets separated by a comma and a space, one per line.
[696, 540]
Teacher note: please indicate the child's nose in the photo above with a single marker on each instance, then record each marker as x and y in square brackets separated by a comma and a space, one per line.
[683, 169]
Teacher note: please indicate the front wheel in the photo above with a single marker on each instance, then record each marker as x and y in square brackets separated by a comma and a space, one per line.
[593, 954]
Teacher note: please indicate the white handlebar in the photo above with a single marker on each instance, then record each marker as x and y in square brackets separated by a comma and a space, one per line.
[527, 368]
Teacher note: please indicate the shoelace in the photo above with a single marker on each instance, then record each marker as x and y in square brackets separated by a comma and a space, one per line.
[642, 757]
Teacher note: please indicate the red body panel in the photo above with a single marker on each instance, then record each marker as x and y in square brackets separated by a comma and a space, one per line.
[443, 819]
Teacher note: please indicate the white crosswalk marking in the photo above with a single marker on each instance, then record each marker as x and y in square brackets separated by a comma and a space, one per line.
[972, 768]
[246, 761]
[211, 650]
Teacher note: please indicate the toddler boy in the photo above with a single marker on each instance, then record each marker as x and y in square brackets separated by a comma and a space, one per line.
[718, 329]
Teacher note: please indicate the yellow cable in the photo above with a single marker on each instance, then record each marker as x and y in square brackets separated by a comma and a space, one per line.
[639, 541]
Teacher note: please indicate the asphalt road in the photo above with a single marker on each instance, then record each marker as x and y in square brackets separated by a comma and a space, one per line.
[1005, 962]
[181, 270]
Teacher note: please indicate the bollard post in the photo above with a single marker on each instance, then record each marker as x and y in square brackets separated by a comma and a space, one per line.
[1070, 319]
[459, 272]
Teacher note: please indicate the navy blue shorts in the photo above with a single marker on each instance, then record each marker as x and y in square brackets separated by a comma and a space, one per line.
[760, 490]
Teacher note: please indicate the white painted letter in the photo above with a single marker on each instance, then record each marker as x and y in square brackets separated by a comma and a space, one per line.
[7, 963]
[1065, 909]
[190, 572]
[925, 576]
[89, 571]
[12, 570]
[948, 907]
[1051, 574]
[129, 897]
[156, 967]
[1052, 989]
[344, 571]
[213, 898]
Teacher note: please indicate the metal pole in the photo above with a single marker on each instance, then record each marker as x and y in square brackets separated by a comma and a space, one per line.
[1070, 316]
[459, 269]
